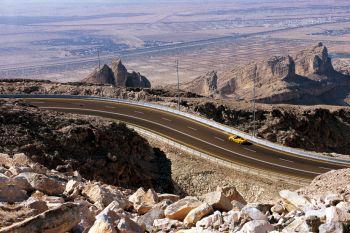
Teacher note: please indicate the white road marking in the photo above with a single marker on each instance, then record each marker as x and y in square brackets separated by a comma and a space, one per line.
[166, 119]
[249, 149]
[191, 128]
[219, 139]
[178, 131]
[109, 107]
[286, 160]
[139, 112]
[325, 168]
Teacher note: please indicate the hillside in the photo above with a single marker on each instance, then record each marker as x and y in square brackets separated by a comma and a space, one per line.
[98, 149]
[308, 77]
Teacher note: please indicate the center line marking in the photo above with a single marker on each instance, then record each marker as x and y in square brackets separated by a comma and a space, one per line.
[325, 168]
[109, 107]
[191, 128]
[180, 132]
[249, 149]
[139, 112]
[166, 119]
[286, 160]
[219, 138]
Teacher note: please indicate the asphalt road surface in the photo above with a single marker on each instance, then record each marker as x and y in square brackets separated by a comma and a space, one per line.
[194, 135]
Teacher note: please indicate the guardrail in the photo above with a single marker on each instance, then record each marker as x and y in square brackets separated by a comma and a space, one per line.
[229, 164]
[294, 151]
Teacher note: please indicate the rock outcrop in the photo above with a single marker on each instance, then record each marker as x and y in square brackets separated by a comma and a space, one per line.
[104, 75]
[205, 85]
[118, 76]
[279, 79]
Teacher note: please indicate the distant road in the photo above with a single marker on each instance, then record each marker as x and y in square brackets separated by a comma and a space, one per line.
[192, 134]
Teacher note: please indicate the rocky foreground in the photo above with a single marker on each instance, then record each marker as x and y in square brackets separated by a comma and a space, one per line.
[36, 199]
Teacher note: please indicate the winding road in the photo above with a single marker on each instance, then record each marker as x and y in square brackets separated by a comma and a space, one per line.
[192, 134]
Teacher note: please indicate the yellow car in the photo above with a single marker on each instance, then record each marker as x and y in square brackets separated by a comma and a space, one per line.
[237, 139]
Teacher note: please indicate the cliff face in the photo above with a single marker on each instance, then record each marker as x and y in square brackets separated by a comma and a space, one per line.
[118, 76]
[283, 79]
[205, 85]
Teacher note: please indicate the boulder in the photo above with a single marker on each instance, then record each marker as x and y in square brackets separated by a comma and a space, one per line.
[278, 208]
[236, 205]
[102, 196]
[157, 212]
[303, 225]
[231, 193]
[61, 219]
[45, 184]
[11, 194]
[214, 221]
[171, 197]
[293, 198]
[87, 215]
[232, 217]
[332, 227]
[73, 188]
[197, 214]
[17, 170]
[218, 201]
[166, 224]
[143, 201]
[253, 213]
[110, 212]
[102, 226]
[257, 226]
[181, 208]
[334, 214]
[37, 205]
[21, 182]
[126, 225]
[333, 199]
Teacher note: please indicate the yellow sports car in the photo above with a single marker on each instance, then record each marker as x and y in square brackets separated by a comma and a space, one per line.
[237, 139]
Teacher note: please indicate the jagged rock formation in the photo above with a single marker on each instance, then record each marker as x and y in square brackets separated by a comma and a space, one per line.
[118, 76]
[98, 149]
[204, 85]
[103, 76]
[284, 79]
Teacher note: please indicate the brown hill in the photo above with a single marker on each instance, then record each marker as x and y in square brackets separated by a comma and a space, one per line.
[308, 77]
[118, 75]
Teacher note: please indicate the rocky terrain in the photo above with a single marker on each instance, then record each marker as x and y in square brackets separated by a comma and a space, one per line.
[118, 76]
[71, 173]
[318, 128]
[36, 199]
[314, 129]
[280, 79]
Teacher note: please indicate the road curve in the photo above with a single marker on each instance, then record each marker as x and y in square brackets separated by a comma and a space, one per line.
[192, 134]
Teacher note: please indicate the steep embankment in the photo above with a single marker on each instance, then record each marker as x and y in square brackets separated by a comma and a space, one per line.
[317, 129]
[101, 150]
